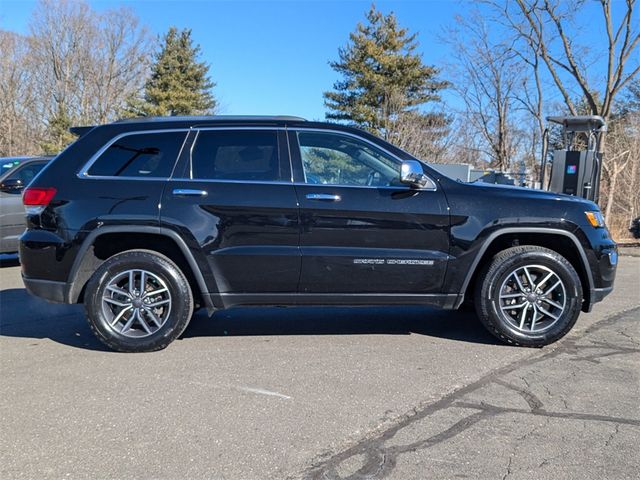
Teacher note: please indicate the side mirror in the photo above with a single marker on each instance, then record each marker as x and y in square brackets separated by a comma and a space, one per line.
[412, 174]
[12, 185]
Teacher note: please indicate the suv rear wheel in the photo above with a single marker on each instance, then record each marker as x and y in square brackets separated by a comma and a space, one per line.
[528, 296]
[138, 301]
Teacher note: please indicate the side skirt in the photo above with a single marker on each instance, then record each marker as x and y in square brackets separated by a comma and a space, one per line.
[227, 300]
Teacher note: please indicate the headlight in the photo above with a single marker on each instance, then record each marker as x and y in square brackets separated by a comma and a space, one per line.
[595, 219]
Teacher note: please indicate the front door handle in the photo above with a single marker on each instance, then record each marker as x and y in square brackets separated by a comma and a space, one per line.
[187, 192]
[323, 197]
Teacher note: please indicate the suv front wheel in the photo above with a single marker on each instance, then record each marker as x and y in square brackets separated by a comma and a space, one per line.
[528, 295]
[138, 301]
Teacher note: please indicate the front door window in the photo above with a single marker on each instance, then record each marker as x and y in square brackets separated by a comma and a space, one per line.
[335, 159]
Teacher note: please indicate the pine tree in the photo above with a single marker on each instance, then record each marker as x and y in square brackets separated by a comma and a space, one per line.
[383, 76]
[58, 135]
[179, 83]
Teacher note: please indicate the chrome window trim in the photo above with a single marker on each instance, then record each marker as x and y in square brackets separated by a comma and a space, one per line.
[372, 187]
[373, 144]
[83, 173]
[244, 182]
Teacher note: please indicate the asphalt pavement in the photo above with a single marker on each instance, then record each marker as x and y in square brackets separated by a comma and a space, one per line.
[326, 393]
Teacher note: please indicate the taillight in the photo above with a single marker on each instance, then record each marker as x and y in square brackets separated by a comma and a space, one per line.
[35, 199]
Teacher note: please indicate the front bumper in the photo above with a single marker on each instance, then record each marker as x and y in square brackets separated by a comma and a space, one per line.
[598, 294]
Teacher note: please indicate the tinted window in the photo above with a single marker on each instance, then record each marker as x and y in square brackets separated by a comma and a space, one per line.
[236, 155]
[140, 155]
[27, 173]
[335, 159]
[5, 167]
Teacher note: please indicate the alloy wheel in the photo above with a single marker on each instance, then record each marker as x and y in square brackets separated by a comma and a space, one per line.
[532, 298]
[136, 303]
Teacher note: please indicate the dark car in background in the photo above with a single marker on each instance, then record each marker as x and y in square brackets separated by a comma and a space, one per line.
[15, 174]
[145, 220]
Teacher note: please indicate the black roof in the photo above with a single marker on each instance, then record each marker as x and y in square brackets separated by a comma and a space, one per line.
[145, 123]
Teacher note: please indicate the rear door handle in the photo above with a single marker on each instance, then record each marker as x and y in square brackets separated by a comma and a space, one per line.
[323, 197]
[187, 192]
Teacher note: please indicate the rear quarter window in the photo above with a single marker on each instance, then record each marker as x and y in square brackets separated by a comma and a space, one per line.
[151, 155]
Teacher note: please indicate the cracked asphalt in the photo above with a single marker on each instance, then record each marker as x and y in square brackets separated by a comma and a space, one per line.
[334, 393]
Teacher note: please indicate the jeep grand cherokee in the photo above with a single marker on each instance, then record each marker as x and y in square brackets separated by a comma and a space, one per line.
[146, 220]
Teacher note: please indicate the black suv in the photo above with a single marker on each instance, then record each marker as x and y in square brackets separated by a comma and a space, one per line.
[146, 220]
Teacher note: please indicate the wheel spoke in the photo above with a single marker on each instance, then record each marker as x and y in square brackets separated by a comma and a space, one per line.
[154, 292]
[551, 289]
[130, 321]
[535, 317]
[515, 306]
[120, 314]
[544, 280]
[520, 286]
[548, 313]
[510, 295]
[142, 322]
[116, 302]
[523, 318]
[551, 302]
[118, 290]
[143, 280]
[153, 316]
[158, 303]
[528, 275]
[131, 285]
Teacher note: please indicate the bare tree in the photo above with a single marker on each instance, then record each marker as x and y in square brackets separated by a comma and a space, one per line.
[17, 97]
[621, 199]
[545, 25]
[487, 76]
[77, 66]
[119, 63]
[423, 134]
[588, 73]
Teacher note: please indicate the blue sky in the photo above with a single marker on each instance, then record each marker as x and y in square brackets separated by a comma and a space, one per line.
[271, 57]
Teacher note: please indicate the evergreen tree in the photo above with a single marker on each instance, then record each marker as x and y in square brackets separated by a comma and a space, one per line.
[383, 76]
[58, 135]
[179, 83]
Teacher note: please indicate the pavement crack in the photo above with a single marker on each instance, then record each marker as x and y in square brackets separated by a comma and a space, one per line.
[533, 401]
[381, 460]
[587, 417]
[629, 337]
[616, 430]
[508, 472]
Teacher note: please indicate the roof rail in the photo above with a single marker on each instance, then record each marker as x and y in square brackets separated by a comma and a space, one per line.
[205, 118]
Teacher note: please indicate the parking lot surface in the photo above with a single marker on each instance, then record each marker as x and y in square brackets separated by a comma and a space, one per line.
[403, 393]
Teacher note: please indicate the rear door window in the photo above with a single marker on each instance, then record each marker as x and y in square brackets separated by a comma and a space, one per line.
[151, 155]
[240, 155]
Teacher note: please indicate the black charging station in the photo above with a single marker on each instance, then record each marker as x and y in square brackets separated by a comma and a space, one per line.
[577, 162]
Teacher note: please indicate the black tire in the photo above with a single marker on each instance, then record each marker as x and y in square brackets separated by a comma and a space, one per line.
[175, 285]
[500, 269]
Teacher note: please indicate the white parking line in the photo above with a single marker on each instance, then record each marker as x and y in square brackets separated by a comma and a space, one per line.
[263, 392]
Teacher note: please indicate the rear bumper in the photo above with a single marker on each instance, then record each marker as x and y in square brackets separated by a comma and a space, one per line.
[51, 291]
